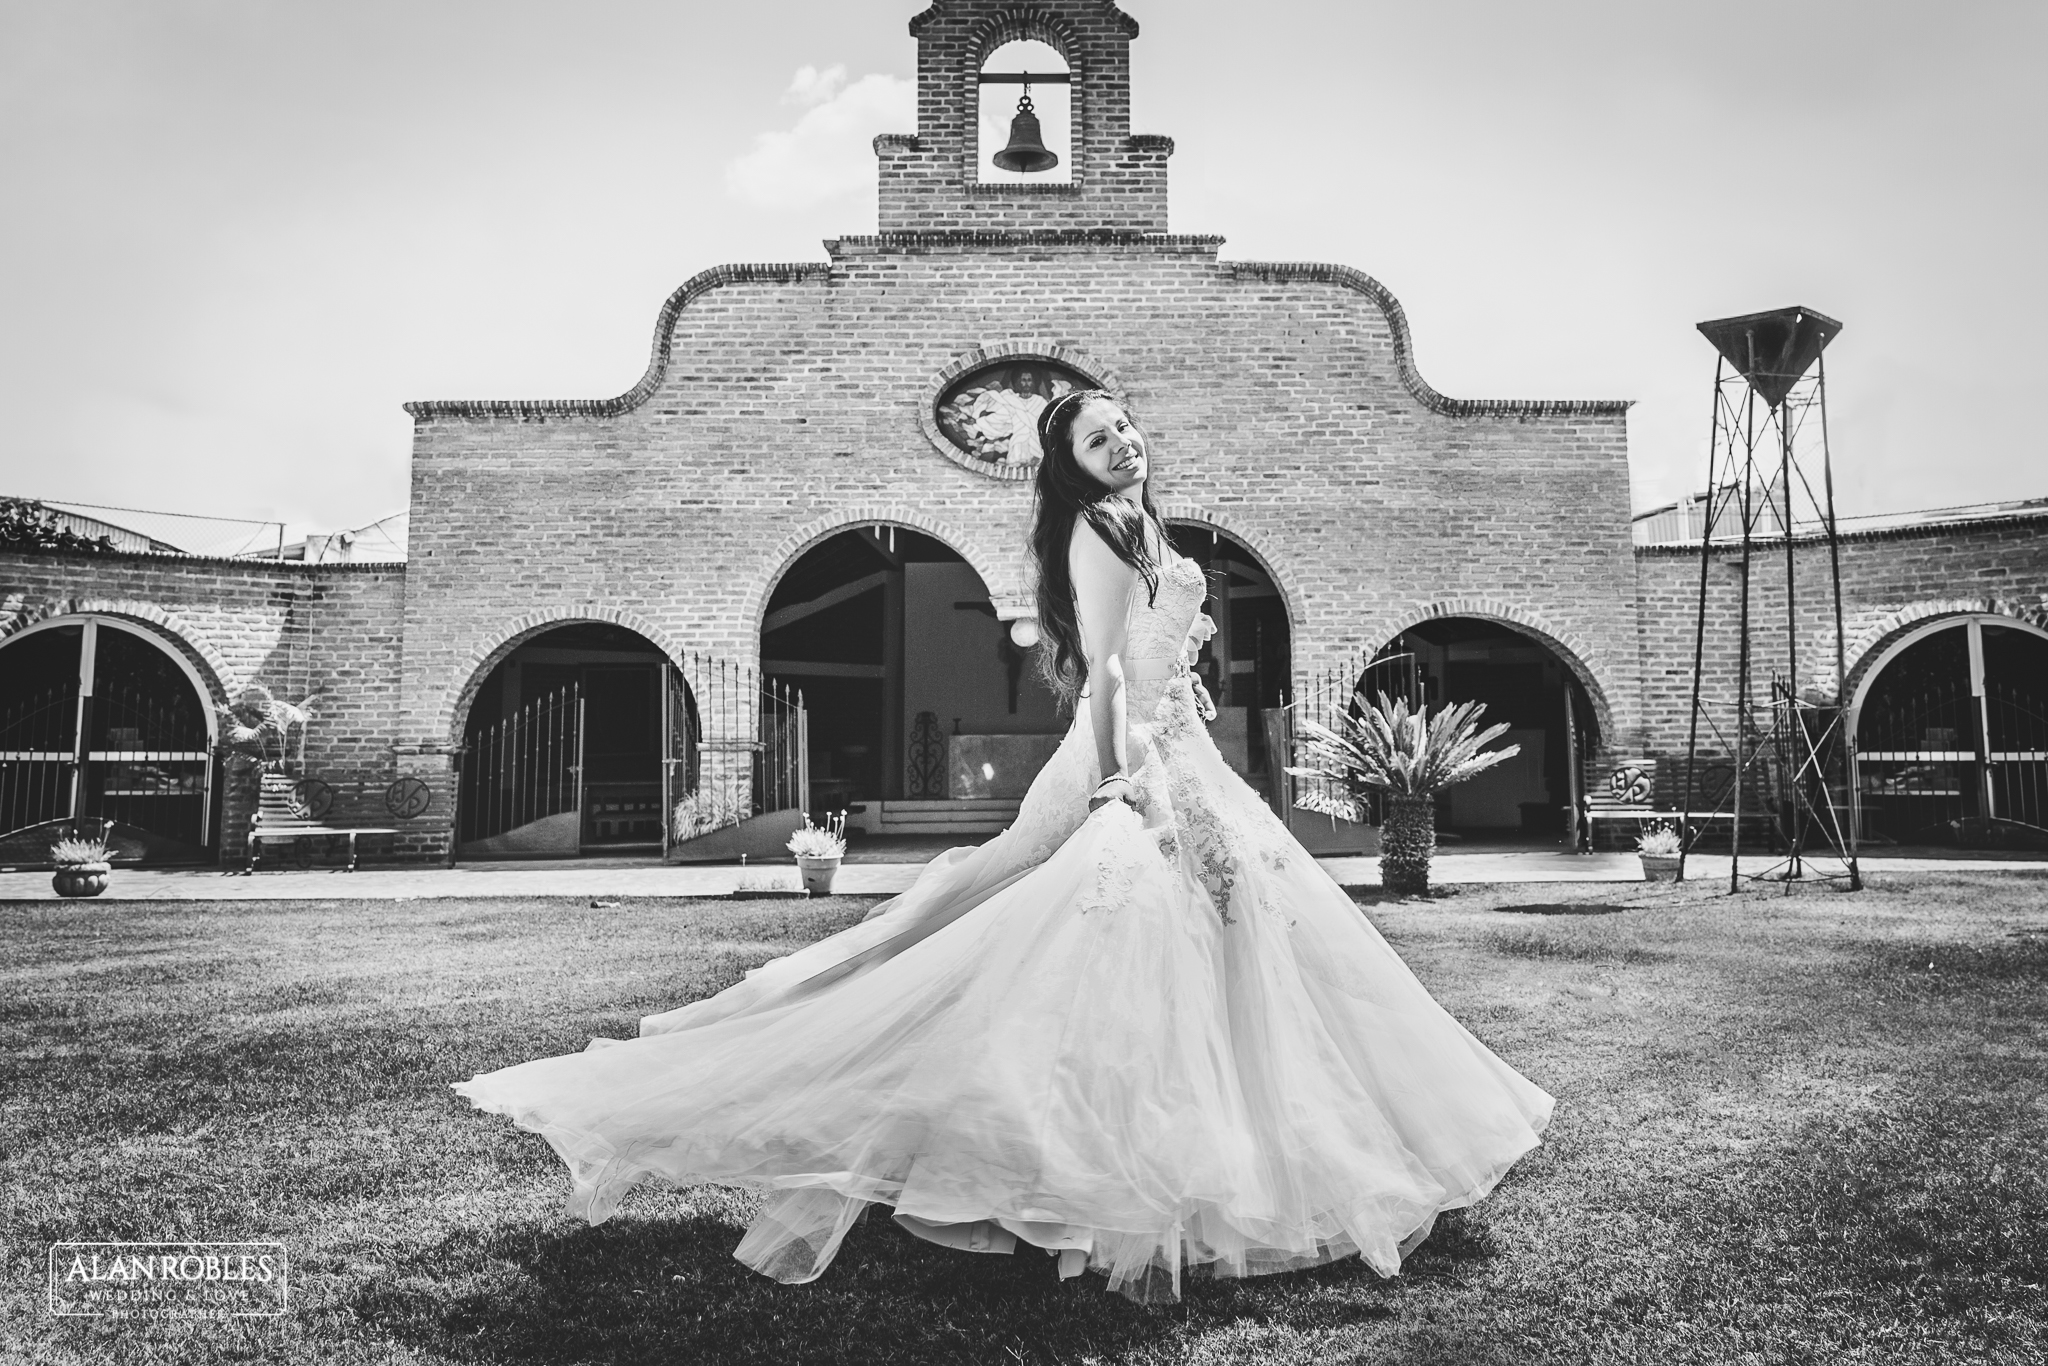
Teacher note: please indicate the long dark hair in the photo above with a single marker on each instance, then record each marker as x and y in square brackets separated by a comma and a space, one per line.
[1066, 494]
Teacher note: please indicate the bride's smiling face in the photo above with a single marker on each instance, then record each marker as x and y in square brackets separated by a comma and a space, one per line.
[1110, 447]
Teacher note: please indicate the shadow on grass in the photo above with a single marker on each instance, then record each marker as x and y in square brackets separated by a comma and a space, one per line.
[665, 1289]
[1561, 908]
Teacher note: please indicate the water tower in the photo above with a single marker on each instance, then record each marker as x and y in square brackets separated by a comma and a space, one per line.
[1771, 752]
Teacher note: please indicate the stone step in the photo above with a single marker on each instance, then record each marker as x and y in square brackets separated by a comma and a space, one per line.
[971, 816]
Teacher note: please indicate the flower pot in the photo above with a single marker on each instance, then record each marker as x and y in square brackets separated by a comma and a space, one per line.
[818, 873]
[81, 879]
[1660, 867]
[1407, 843]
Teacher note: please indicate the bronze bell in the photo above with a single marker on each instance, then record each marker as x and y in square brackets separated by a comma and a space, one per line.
[1027, 150]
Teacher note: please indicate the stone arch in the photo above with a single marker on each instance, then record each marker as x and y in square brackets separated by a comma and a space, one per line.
[792, 547]
[1587, 665]
[452, 714]
[1277, 568]
[1874, 645]
[219, 680]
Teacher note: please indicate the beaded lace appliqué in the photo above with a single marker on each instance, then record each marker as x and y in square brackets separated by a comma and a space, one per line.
[1125, 859]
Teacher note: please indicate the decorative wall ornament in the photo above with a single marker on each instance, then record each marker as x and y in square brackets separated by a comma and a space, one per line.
[925, 774]
[408, 797]
[981, 410]
[311, 799]
[992, 414]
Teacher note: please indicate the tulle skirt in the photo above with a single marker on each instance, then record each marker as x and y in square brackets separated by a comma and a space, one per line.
[1146, 1042]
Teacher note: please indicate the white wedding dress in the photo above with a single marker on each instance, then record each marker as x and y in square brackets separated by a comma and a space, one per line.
[1147, 1042]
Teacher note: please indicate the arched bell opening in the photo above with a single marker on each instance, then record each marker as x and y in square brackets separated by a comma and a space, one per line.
[1025, 133]
[578, 742]
[927, 720]
[1248, 665]
[1951, 737]
[105, 729]
[1523, 683]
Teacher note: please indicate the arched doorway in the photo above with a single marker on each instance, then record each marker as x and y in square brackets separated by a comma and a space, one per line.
[925, 715]
[103, 726]
[1523, 683]
[575, 744]
[1951, 736]
[1248, 664]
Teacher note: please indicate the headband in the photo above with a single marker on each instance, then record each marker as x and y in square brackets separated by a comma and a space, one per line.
[1045, 417]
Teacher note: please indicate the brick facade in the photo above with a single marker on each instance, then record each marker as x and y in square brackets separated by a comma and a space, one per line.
[327, 629]
[785, 403]
[1893, 581]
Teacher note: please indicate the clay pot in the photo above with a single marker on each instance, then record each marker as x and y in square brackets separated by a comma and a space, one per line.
[81, 879]
[1660, 867]
[818, 873]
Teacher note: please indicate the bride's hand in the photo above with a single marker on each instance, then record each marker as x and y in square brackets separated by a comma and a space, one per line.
[1113, 790]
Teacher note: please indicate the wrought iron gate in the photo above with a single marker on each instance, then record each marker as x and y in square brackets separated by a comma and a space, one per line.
[732, 746]
[109, 734]
[749, 748]
[1952, 738]
[524, 770]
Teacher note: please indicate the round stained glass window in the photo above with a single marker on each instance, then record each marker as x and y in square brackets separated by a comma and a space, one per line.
[991, 413]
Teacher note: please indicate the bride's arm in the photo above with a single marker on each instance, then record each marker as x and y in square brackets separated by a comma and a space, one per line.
[1103, 585]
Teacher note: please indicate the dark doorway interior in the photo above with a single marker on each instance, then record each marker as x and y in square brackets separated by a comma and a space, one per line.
[1248, 664]
[565, 742]
[1522, 684]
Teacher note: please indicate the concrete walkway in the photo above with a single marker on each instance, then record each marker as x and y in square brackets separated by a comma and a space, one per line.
[617, 878]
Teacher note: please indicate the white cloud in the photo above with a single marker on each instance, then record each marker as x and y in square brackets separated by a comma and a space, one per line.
[829, 153]
[812, 86]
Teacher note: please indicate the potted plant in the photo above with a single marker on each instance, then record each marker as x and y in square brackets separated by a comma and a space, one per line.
[1659, 848]
[818, 849]
[1409, 758]
[82, 866]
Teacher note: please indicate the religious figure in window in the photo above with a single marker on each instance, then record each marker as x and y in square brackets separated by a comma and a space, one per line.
[992, 414]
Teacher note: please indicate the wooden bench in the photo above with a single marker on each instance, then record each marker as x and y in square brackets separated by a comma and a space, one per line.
[1625, 796]
[282, 819]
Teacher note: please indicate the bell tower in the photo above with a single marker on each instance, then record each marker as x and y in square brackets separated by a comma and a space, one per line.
[931, 180]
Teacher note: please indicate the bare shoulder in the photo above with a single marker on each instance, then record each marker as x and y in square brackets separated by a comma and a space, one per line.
[1089, 555]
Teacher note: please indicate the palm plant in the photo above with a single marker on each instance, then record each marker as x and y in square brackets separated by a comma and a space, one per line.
[1409, 757]
[255, 720]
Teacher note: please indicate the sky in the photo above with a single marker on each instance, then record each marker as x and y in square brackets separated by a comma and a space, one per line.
[238, 234]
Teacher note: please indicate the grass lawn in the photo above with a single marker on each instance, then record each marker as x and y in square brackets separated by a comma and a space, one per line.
[1790, 1128]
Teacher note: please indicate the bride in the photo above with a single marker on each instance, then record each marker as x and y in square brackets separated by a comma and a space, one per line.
[1140, 1029]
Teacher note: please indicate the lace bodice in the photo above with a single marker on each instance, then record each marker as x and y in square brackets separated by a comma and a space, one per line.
[1159, 628]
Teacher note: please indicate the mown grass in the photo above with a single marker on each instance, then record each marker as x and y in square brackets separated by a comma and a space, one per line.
[1790, 1128]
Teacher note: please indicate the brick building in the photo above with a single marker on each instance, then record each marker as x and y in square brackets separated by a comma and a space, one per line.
[821, 484]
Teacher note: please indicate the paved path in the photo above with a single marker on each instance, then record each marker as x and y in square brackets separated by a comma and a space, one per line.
[603, 878]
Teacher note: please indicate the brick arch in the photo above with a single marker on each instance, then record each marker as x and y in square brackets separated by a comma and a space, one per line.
[1024, 23]
[219, 677]
[491, 648]
[797, 542]
[1277, 568]
[1586, 663]
[1870, 647]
